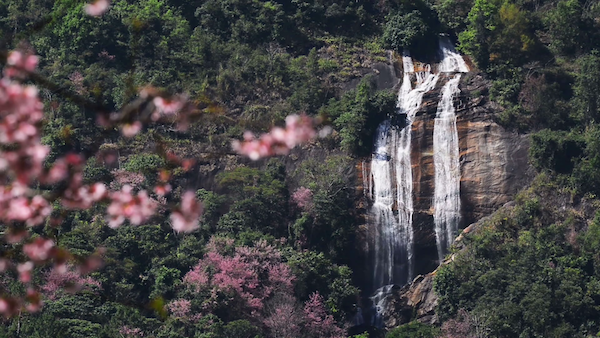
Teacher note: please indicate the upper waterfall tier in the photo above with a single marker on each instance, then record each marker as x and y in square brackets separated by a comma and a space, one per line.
[452, 62]
[407, 63]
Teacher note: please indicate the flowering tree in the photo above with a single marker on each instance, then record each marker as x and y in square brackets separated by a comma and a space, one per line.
[318, 322]
[31, 185]
[255, 284]
[246, 276]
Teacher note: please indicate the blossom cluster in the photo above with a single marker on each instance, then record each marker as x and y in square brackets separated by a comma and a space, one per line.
[155, 106]
[255, 281]
[24, 172]
[67, 278]
[279, 141]
[253, 274]
[97, 8]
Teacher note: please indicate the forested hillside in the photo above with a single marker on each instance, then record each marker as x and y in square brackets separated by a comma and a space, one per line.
[276, 250]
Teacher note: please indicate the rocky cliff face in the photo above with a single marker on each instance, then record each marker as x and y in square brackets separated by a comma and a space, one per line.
[493, 161]
[418, 300]
[494, 167]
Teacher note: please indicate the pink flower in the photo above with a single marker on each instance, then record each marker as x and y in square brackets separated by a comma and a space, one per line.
[180, 307]
[65, 277]
[58, 172]
[4, 264]
[39, 250]
[187, 217]
[25, 270]
[130, 130]
[78, 196]
[129, 332]
[34, 300]
[138, 209]
[302, 197]
[162, 190]
[97, 8]
[18, 62]
[279, 141]
[168, 107]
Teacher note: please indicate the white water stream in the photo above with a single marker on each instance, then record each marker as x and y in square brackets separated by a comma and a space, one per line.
[446, 200]
[390, 184]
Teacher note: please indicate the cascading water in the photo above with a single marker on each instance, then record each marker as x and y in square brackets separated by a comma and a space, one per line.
[393, 251]
[409, 104]
[381, 211]
[451, 60]
[391, 162]
[446, 200]
[390, 183]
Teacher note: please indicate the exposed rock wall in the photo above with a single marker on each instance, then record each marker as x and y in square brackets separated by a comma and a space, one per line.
[493, 161]
[494, 167]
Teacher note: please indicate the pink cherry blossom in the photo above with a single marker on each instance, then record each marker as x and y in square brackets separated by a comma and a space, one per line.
[137, 209]
[302, 197]
[9, 306]
[22, 169]
[168, 107]
[67, 278]
[97, 8]
[180, 308]
[131, 129]
[162, 190]
[18, 63]
[39, 250]
[187, 218]
[299, 129]
[131, 332]
[24, 270]
[58, 172]
[34, 300]
[318, 322]
[4, 264]
[79, 196]
[124, 177]
[251, 275]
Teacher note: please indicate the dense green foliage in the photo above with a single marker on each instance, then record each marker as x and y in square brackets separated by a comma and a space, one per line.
[527, 273]
[405, 30]
[413, 330]
[358, 113]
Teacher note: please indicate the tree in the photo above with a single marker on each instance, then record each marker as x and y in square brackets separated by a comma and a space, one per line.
[405, 31]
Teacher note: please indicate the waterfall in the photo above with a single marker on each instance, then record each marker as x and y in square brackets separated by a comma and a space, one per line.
[451, 60]
[391, 189]
[390, 182]
[382, 213]
[407, 63]
[446, 200]
[409, 104]
[391, 186]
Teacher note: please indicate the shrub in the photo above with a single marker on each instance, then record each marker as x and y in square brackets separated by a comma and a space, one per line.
[587, 88]
[413, 330]
[358, 113]
[555, 150]
[147, 164]
[404, 30]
